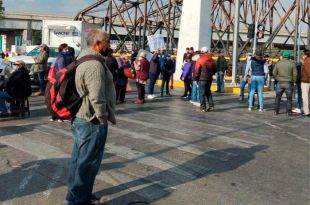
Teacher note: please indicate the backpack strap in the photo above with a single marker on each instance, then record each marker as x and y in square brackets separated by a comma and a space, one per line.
[91, 57]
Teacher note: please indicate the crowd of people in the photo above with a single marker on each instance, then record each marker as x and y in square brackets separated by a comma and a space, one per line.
[101, 84]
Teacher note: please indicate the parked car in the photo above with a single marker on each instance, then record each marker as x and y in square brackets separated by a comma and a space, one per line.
[28, 58]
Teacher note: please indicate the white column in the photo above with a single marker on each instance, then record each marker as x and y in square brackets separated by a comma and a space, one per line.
[195, 29]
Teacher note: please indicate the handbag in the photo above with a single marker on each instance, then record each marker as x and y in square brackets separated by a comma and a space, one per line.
[128, 73]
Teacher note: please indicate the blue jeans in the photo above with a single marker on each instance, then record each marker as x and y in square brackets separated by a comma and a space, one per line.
[89, 141]
[3, 97]
[153, 78]
[299, 95]
[41, 76]
[195, 92]
[220, 82]
[257, 83]
[242, 86]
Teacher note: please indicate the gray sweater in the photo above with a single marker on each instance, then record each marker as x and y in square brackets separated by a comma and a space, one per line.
[92, 78]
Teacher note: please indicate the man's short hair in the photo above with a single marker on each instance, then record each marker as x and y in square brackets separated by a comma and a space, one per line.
[95, 36]
[191, 48]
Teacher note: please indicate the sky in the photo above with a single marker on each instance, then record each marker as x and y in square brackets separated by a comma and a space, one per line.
[61, 7]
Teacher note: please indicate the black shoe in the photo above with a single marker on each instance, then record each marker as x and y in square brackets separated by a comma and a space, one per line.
[211, 108]
[168, 94]
[183, 96]
[95, 198]
[4, 114]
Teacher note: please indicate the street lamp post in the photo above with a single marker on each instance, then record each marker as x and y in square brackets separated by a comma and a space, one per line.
[236, 40]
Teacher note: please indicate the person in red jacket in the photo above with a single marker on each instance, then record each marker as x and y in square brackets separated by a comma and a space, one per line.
[142, 67]
[204, 70]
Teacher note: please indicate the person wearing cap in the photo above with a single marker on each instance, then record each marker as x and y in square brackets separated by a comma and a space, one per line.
[142, 67]
[18, 86]
[221, 67]
[257, 79]
[285, 72]
[305, 83]
[204, 70]
[186, 55]
[40, 67]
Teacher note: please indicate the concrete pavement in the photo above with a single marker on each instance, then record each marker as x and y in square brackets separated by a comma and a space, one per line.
[163, 153]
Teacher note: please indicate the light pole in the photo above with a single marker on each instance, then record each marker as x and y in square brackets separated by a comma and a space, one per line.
[236, 40]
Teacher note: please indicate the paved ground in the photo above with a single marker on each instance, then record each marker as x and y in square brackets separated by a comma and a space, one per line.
[165, 153]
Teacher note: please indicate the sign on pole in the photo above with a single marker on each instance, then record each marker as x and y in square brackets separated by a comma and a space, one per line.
[156, 42]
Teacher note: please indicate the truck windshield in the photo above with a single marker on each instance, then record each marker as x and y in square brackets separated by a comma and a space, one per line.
[36, 51]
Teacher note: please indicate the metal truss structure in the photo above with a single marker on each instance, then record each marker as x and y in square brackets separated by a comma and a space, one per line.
[134, 20]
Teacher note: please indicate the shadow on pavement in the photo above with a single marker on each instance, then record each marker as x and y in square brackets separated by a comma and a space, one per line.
[167, 179]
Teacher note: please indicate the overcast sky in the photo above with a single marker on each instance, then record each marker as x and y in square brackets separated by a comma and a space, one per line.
[61, 7]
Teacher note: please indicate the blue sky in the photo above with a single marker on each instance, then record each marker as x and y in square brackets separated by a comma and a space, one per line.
[61, 7]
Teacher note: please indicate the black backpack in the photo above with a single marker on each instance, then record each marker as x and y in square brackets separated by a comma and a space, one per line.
[61, 96]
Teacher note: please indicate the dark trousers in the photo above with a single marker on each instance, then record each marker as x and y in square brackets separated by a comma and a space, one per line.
[41, 76]
[299, 95]
[282, 87]
[89, 141]
[205, 92]
[141, 91]
[187, 87]
[120, 92]
[153, 78]
[165, 81]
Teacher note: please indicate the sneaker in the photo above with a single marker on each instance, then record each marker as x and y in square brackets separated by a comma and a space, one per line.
[197, 104]
[150, 97]
[210, 109]
[249, 109]
[261, 110]
[52, 120]
[200, 110]
[59, 120]
[38, 93]
[296, 110]
[154, 96]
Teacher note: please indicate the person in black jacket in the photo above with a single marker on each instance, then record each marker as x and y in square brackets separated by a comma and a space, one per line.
[111, 63]
[153, 74]
[18, 86]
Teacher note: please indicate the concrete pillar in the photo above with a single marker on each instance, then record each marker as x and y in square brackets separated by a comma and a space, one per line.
[27, 34]
[195, 28]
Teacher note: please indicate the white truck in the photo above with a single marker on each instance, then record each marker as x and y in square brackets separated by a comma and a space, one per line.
[74, 33]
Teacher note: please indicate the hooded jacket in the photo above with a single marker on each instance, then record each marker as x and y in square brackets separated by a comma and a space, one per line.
[205, 67]
[257, 66]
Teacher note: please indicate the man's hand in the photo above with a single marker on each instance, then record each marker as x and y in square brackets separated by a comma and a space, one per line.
[103, 121]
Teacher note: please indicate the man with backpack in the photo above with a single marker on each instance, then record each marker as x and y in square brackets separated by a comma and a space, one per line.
[94, 83]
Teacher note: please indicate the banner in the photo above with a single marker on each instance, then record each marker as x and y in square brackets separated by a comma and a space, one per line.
[156, 42]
